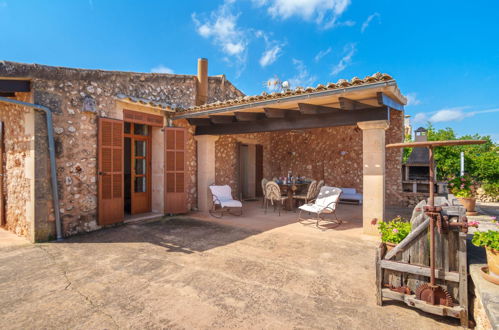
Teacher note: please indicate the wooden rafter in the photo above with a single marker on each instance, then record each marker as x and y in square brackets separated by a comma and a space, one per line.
[222, 119]
[349, 104]
[312, 109]
[331, 119]
[385, 100]
[249, 116]
[12, 86]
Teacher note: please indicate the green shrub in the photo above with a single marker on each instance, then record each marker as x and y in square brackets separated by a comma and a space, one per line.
[491, 188]
[488, 239]
[394, 231]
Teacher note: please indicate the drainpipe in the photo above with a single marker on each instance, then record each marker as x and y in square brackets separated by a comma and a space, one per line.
[53, 168]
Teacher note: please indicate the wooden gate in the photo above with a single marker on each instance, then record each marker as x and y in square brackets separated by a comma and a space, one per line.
[110, 171]
[407, 265]
[175, 170]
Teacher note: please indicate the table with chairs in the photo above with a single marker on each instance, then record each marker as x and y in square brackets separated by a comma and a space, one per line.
[287, 195]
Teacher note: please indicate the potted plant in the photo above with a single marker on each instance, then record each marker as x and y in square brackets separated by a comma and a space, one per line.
[490, 241]
[464, 188]
[394, 231]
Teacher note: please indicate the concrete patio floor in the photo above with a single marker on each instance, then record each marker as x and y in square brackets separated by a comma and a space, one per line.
[252, 272]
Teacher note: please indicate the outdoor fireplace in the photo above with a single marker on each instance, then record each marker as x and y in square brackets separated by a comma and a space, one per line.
[416, 171]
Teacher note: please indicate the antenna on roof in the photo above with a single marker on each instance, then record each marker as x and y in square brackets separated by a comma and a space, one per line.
[276, 85]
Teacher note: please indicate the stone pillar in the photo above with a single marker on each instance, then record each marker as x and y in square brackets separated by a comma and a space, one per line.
[206, 169]
[373, 161]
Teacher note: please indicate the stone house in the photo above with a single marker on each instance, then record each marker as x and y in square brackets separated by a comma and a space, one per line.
[132, 143]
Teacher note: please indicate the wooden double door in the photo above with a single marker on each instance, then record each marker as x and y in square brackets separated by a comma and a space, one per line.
[125, 168]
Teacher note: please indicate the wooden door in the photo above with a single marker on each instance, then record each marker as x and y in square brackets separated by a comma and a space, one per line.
[141, 168]
[175, 170]
[2, 205]
[110, 171]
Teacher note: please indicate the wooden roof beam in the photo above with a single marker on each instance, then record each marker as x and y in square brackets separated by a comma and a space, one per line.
[222, 119]
[249, 116]
[312, 109]
[349, 104]
[276, 112]
[386, 100]
[199, 121]
[13, 85]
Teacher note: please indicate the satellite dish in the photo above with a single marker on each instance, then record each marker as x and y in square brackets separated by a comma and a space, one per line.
[285, 85]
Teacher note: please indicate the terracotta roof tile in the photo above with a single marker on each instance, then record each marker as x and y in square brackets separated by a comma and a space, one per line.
[341, 83]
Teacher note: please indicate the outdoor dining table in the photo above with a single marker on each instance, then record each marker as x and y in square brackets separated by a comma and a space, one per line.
[289, 189]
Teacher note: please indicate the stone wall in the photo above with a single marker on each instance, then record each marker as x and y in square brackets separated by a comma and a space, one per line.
[17, 184]
[63, 91]
[332, 154]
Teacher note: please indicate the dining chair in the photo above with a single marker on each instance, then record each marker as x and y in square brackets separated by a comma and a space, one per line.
[311, 193]
[273, 195]
[264, 183]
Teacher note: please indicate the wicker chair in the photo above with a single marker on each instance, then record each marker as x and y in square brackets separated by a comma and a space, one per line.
[311, 193]
[273, 195]
[318, 189]
[264, 183]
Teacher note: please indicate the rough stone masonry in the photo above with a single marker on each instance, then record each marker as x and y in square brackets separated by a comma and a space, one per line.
[63, 90]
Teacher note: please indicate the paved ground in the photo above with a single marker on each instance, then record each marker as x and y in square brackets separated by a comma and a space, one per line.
[184, 273]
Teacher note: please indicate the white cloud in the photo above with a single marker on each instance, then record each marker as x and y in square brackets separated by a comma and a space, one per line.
[221, 27]
[346, 60]
[303, 77]
[270, 55]
[322, 53]
[161, 69]
[449, 114]
[323, 12]
[368, 21]
[412, 99]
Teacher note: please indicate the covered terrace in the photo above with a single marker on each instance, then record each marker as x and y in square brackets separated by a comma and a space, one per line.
[335, 132]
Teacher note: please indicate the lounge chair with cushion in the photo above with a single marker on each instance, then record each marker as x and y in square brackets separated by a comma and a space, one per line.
[223, 201]
[325, 203]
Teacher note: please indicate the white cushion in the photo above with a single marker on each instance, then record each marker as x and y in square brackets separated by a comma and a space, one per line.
[224, 195]
[232, 203]
[311, 208]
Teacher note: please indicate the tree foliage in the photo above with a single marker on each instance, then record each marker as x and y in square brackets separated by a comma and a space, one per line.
[481, 161]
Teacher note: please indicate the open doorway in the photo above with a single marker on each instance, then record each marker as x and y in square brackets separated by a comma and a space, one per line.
[250, 171]
[137, 168]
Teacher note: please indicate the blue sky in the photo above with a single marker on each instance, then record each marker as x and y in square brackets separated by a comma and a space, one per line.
[444, 54]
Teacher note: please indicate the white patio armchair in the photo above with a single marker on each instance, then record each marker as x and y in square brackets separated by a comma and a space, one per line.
[223, 201]
[325, 203]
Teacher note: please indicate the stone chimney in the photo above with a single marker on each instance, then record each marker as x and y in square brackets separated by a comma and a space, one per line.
[421, 135]
[202, 82]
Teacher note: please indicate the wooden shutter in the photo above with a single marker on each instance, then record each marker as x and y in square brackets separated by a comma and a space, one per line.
[2, 205]
[259, 170]
[175, 170]
[110, 171]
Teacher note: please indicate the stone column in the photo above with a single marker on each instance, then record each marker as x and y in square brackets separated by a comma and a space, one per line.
[373, 161]
[206, 169]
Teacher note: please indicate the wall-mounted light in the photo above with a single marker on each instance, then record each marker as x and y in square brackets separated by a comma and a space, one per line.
[89, 104]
